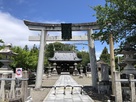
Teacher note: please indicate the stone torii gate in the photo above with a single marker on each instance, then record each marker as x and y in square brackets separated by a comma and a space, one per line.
[45, 27]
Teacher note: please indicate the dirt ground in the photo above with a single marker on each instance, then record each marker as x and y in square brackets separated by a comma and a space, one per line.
[38, 95]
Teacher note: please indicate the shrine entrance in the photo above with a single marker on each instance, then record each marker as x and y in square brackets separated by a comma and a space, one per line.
[65, 61]
[66, 36]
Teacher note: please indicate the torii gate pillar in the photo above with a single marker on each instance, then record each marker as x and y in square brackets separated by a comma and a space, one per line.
[92, 58]
[40, 60]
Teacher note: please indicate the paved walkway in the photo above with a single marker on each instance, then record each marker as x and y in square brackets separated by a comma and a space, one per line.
[65, 82]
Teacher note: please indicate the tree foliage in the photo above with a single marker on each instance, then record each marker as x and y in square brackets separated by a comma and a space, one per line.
[121, 15]
[84, 56]
[105, 56]
[1, 41]
[27, 58]
[52, 47]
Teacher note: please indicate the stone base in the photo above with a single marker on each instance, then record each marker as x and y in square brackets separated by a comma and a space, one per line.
[5, 70]
[89, 75]
[104, 87]
[15, 100]
[80, 76]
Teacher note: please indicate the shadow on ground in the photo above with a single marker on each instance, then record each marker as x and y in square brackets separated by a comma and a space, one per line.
[94, 94]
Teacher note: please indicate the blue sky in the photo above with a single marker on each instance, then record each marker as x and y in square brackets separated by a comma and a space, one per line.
[13, 12]
[51, 10]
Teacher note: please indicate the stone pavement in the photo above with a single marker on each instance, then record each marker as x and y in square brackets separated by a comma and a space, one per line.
[73, 91]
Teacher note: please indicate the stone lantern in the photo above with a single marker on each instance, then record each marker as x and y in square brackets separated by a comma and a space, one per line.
[75, 70]
[54, 67]
[6, 55]
[81, 71]
[129, 60]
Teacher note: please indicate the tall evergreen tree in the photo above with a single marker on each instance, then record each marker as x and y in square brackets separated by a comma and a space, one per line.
[105, 56]
[26, 48]
[1, 41]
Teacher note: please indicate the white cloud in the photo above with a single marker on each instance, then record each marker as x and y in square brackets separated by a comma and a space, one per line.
[98, 53]
[13, 30]
[85, 48]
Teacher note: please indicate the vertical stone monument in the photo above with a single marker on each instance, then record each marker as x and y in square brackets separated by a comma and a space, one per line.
[104, 84]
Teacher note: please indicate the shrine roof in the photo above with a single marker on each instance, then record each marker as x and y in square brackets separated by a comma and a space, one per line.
[65, 56]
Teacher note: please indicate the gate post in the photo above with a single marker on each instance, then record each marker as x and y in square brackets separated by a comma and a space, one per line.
[132, 88]
[118, 90]
[2, 90]
[12, 89]
[24, 86]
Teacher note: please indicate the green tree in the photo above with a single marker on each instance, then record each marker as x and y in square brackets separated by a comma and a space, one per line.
[26, 48]
[1, 41]
[21, 59]
[105, 56]
[26, 59]
[122, 16]
[84, 56]
[57, 47]
[33, 57]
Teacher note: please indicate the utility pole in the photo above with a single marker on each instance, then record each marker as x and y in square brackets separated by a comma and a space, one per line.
[112, 61]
